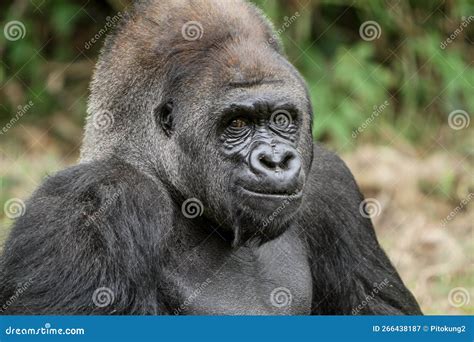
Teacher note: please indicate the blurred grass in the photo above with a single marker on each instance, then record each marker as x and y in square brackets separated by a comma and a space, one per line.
[347, 78]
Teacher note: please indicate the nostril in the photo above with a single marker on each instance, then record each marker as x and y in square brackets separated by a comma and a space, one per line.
[267, 162]
[280, 162]
[285, 162]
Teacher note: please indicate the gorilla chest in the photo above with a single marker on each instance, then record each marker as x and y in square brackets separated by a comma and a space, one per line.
[273, 279]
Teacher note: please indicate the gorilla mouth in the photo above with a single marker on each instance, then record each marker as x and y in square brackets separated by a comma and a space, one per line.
[264, 215]
[284, 194]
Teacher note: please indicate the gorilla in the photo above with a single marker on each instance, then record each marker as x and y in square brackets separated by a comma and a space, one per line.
[199, 189]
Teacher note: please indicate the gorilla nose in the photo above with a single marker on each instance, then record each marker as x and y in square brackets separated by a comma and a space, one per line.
[278, 164]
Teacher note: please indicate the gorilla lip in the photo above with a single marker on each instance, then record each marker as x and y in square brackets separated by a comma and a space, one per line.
[281, 195]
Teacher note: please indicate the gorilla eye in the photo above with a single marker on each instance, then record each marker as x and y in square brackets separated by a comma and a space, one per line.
[164, 118]
[238, 123]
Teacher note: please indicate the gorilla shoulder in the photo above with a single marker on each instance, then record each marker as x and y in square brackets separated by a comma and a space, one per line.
[77, 227]
[331, 178]
[95, 190]
[333, 201]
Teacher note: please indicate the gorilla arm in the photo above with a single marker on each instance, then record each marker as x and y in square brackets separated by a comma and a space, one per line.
[350, 271]
[87, 244]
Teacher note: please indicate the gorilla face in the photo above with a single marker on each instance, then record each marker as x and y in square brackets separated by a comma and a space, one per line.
[245, 154]
[259, 137]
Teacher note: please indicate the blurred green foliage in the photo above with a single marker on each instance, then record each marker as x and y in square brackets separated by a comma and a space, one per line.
[406, 65]
[347, 76]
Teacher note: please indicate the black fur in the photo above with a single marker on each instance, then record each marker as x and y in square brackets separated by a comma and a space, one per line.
[347, 260]
[104, 224]
[93, 225]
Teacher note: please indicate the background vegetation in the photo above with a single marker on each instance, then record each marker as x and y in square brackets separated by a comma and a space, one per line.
[409, 68]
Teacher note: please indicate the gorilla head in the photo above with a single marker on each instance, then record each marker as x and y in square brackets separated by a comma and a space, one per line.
[202, 100]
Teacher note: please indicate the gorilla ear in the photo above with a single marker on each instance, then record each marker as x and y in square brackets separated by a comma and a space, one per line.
[163, 116]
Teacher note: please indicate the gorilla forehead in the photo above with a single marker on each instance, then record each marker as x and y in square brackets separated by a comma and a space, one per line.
[179, 38]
